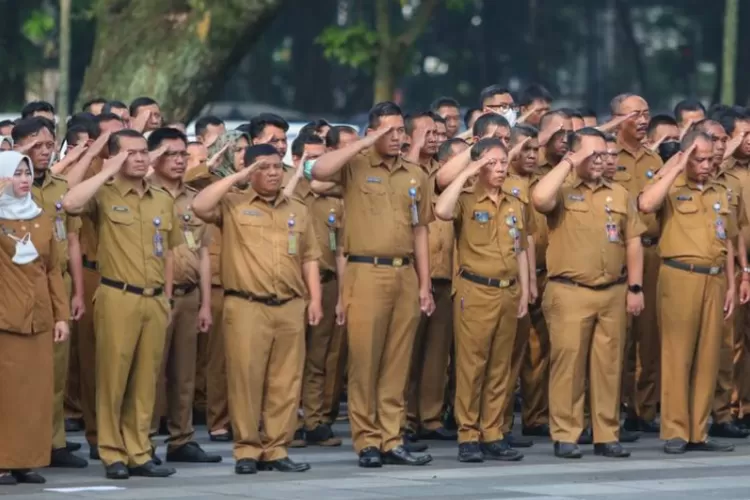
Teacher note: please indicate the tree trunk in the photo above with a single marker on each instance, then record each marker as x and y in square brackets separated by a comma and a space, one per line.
[178, 52]
[731, 13]
[12, 48]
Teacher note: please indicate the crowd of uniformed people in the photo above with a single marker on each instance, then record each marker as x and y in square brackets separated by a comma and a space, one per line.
[591, 267]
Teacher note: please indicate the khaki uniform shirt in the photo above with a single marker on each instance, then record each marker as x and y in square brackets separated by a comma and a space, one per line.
[378, 204]
[732, 181]
[89, 238]
[327, 214]
[442, 241]
[33, 295]
[635, 169]
[696, 223]
[541, 232]
[740, 171]
[264, 245]
[580, 246]
[194, 237]
[127, 225]
[490, 234]
[49, 198]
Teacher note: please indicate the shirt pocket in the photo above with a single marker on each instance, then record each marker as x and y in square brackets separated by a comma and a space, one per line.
[480, 233]
[689, 214]
[255, 229]
[122, 218]
[374, 197]
[579, 210]
[622, 175]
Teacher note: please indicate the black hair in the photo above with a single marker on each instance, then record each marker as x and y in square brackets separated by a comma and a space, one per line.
[36, 107]
[252, 153]
[5, 123]
[298, 146]
[96, 100]
[108, 107]
[522, 130]
[259, 123]
[574, 138]
[437, 117]
[194, 143]
[140, 102]
[693, 136]
[587, 112]
[441, 102]
[483, 123]
[610, 137]
[657, 120]
[491, 91]
[729, 119]
[333, 137]
[717, 110]
[113, 144]
[701, 125]
[469, 113]
[483, 145]
[445, 150]
[687, 105]
[86, 120]
[71, 136]
[572, 113]
[164, 134]
[29, 126]
[381, 110]
[204, 121]
[409, 121]
[534, 92]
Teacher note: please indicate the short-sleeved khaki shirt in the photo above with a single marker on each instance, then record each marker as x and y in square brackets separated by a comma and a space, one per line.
[740, 171]
[588, 231]
[327, 214]
[378, 201]
[635, 169]
[442, 236]
[49, 198]
[696, 222]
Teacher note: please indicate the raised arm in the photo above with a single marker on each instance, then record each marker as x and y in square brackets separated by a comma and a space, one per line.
[79, 195]
[328, 165]
[446, 203]
[653, 195]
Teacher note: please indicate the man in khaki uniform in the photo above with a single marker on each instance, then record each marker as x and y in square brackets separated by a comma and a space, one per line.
[693, 297]
[191, 281]
[388, 207]
[269, 265]
[137, 231]
[32, 136]
[636, 166]
[594, 236]
[426, 386]
[491, 293]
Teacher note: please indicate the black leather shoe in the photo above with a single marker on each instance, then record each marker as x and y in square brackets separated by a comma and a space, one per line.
[369, 458]
[73, 425]
[518, 441]
[192, 453]
[94, 453]
[283, 465]
[728, 430]
[410, 436]
[587, 436]
[71, 446]
[536, 430]
[246, 466]
[567, 450]
[150, 469]
[7, 479]
[439, 434]
[298, 441]
[675, 446]
[636, 424]
[401, 456]
[225, 437]
[413, 447]
[63, 459]
[611, 450]
[709, 445]
[27, 476]
[322, 435]
[470, 453]
[627, 436]
[500, 450]
[117, 470]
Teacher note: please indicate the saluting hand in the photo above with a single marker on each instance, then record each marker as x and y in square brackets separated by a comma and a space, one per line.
[153, 156]
[139, 123]
[205, 319]
[635, 303]
[729, 302]
[546, 134]
[96, 147]
[516, 150]
[524, 117]
[314, 313]
[61, 332]
[26, 148]
[615, 122]
[733, 144]
[211, 163]
[654, 146]
[114, 164]
[370, 139]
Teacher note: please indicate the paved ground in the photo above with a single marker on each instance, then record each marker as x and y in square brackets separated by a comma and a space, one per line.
[335, 476]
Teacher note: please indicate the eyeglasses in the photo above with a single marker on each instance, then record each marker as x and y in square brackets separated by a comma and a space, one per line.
[599, 155]
[501, 107]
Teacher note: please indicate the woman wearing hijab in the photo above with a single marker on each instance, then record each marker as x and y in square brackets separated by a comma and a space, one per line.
[34, 313]
[227, 155]
[6, 143]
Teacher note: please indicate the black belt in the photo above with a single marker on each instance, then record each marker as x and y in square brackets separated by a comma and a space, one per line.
[647, 241]
[380, 261]
[710, 270]
[326, 276]
[567, 281]
[182, 290]
[146, 292]
[481, 280]
[541, 270]
[271, 300]
[90, 264]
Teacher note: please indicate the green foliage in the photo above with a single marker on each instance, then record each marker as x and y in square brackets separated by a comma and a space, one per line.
[38, 26]
[355, 46]
[456, 5]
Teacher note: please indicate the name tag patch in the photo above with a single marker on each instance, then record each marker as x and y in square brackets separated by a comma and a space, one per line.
[251, 213]
[118, 208]
[374, 180]
[684, 197]
[576, 197]
[481, 216]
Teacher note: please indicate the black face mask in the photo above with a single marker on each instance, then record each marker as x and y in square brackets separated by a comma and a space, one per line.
[668, 149]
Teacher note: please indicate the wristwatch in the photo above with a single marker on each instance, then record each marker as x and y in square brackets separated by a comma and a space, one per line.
[746, 270]
[635, 288]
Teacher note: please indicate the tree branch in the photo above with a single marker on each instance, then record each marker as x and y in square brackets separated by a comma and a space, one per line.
[418, 23]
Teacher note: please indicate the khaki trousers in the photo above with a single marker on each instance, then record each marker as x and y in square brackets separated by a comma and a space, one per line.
[335, 375]
[741, 396]
[382, 305]
[83, 330]
[265, 354]
[535, 365]
[587, 339]
[690, 317]
[131, 330]
[61, 355]
[217, 397]
[485, 325]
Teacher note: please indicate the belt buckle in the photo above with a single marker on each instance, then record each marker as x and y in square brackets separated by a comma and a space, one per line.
[398, 262]
[647, 241]
[148, 292]
[714, 270]
[178, 292]
[273, 301]
[503, 283]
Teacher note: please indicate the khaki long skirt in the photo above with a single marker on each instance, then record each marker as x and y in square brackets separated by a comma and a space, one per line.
[26, 388]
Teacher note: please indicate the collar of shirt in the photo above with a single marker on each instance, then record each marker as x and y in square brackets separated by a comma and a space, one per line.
[481, 194]
[124, 187]
[43, 181]
[391, 164]
[430, 167]
[253, 195]
[603, 183]
[181, 188]
[683, 181]
[637, 154]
